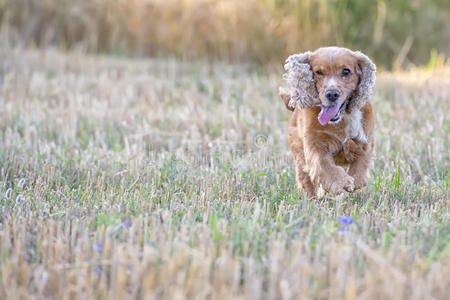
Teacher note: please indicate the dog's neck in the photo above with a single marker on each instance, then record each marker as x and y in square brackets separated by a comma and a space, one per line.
[355, 128]
[349, 127]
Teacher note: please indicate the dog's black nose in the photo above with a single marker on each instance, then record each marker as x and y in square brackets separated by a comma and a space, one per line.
[332, 95]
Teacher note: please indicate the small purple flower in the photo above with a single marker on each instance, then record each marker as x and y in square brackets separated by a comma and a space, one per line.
[28, 259]
[97, 246]
[346, 220]
[126, 224]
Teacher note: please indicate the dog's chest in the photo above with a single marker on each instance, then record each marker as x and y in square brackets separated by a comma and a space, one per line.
[354, 128]
[353, 141]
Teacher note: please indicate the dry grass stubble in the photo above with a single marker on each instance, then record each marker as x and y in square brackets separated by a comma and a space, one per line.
[161, 179]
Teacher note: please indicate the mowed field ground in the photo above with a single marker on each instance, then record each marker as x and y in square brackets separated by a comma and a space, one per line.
[156, 179]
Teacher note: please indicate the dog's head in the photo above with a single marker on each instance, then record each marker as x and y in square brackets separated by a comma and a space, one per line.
[332, 78]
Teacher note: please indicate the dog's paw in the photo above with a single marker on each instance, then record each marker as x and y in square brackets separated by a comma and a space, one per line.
[360, 182]
[349, 184]
[342, 184]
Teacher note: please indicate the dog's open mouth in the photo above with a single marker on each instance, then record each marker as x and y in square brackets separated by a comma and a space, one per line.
[330, 113]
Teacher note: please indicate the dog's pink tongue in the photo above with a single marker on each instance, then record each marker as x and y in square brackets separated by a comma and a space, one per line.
[327, 113]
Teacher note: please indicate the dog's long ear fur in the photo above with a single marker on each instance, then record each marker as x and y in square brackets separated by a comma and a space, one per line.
[300, 81]
[366, 70]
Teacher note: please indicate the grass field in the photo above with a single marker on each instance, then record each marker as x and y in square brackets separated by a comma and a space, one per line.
[160, 179]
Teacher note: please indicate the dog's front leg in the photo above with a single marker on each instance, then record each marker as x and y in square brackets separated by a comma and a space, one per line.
[359, 168]
[322, 170]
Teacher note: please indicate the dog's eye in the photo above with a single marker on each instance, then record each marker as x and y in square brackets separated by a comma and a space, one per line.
[318, 72]
[346, 72]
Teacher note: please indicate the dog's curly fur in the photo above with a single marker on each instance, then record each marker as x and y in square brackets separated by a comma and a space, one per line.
[339, 154]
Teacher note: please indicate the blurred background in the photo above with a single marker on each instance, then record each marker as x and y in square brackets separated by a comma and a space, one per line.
[398, 34]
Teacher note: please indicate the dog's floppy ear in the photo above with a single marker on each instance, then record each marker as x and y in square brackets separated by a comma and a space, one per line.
[300, 81]
[366, 70]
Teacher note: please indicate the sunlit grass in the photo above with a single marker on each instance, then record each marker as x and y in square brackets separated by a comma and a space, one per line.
[262, 32]
[154, 178]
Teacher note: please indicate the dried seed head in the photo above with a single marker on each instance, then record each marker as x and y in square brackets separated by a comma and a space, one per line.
[22, 183]
[8, 193]
[19, 199]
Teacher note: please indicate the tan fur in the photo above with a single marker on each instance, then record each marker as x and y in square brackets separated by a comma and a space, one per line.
[336, 156]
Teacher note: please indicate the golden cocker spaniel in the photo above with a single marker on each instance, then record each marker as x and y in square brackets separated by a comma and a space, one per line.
[331, 132]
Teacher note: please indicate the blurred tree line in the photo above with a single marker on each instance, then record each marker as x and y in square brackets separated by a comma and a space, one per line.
[396, 33]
